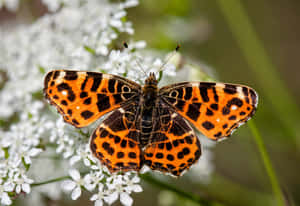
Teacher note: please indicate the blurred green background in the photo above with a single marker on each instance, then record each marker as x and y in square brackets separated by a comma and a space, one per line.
[204, 32]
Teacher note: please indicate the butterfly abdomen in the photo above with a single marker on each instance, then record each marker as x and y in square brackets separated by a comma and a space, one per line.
[148, 100]
[146, 126]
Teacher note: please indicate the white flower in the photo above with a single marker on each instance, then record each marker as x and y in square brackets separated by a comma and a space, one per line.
[4, 188]
[21, 182]
[74, 185]
[132, 184]
[83, 153]
[117, 188]
[93, 179]
[99, 196]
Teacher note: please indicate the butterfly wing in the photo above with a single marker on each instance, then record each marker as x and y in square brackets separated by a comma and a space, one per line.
[116, 141]
[215, 109]
[82, 97]
[173, 145]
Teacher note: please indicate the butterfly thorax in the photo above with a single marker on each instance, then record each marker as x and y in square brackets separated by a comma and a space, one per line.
[148, 100]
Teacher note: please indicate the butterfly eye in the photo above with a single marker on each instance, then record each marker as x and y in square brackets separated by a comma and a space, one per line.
[173, 93]
[125, 89]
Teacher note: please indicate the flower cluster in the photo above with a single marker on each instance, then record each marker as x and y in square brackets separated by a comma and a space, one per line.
[76, 34]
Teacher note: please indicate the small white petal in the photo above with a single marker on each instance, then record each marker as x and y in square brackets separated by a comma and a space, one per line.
[111, 198]
[5, 200]
[74, 174]
[135, 179]
[74, 159]
[35, 151]
[76, 193]
[126, 199]
[27, 160]
[18, 189]
[98, 203]
[136, 188]
[8, 187]
[26, 188]
[68, 185]
[86, 162]
[94, 197]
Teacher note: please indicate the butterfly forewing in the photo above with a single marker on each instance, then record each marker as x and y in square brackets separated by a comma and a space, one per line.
[216, 109]
[82, 97]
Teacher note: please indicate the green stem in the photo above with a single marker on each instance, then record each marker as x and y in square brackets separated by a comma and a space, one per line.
[150, 180]
[50, 181]
[199, 200]
[267, 163]
[252, 48]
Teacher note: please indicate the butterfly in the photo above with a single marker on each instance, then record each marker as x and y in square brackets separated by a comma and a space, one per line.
[147, 125]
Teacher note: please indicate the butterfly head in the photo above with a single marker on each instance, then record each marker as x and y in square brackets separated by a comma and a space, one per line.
[151, 80]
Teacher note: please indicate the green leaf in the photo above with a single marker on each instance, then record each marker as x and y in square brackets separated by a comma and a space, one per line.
[90, 50]
[42, 70]
[27, 166]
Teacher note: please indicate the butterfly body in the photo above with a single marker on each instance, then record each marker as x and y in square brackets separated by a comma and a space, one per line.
[147, 125]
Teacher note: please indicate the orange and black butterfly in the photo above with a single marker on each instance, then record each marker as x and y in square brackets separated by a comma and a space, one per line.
[147, 125]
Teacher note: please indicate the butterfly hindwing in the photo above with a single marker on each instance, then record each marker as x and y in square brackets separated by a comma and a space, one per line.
[174, 146]
[216, 109]
[82, 97]
[116, 141]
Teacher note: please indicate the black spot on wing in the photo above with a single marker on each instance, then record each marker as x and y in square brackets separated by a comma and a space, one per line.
[235, 101]
[84, 83]
[55, 75]
[71, 75]
[119, 86]
[102, 102]
[64, 102]
[180, 93]
[83, 94]
[253, 97]
[203, 93]
[214, 106]
[216, 97]
[232, 117]
[179, 105]
[87, 114]
[120, 155]
[193, 111]
[87, 101]
[225, 110]
[209, 112]
[117, 98]
[170, 157]
[63, 86]
[188, 93]
[230, 89]
[96, 82]
[208, 125]
[111, 85]
[75, 122]
[204, 86]
[245, 91]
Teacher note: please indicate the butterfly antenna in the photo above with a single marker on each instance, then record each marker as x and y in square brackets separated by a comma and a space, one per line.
[137, 61]
[169, 58]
